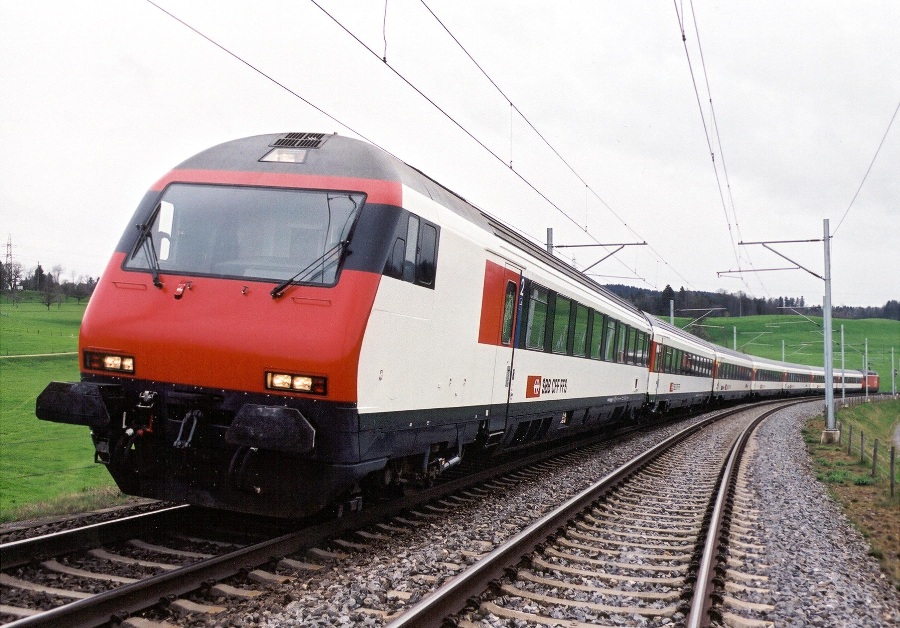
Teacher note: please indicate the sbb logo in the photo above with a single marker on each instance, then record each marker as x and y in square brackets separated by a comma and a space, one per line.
[533, 386]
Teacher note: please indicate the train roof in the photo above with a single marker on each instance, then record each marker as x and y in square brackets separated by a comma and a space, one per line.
[668, 328]
[725, 351]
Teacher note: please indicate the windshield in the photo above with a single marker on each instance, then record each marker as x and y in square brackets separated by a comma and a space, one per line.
[256, 233]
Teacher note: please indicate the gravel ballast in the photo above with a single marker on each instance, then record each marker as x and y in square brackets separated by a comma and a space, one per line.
[821, 573]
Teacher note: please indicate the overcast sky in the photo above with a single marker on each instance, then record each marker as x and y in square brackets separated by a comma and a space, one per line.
[99, 99]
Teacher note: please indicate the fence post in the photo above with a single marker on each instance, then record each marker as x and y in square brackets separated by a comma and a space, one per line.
[874, 457]
[893, 454]
[850, 439]
[840, 428]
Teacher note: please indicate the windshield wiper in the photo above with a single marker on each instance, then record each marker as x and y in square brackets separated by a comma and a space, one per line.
[336, 250]
[145, 241]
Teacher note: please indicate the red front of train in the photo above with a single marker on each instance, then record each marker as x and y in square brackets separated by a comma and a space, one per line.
[219, 352]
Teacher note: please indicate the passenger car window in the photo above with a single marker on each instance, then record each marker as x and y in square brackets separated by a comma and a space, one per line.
[412, 241]
[561, 324]
[609, 340]
[425, 266]
[537, 319]
[509, 309]
[581, 327]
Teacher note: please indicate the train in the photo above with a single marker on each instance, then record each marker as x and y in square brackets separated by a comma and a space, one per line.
[290, 319]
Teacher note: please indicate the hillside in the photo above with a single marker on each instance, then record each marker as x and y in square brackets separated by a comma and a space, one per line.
[802, 337]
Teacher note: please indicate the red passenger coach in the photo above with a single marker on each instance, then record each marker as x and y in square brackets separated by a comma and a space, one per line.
[872, 382]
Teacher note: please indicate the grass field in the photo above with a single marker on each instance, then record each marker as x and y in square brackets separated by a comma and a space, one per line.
[44, 467]
[29, 327]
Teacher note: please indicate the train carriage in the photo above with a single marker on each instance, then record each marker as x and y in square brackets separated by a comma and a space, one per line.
[871, 382]
[817, 380]
[768, 377]
[733, 375]
[797, 379]
[681, 369]
[848, 381]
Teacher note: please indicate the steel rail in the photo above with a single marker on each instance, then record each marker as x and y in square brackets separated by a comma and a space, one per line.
[432, 610]
[17, 553]
[717, 533]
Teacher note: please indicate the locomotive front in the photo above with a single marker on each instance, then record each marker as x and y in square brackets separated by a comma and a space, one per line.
[220, 349]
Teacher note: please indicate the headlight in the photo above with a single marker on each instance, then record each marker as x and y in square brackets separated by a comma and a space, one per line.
[95, 360]
[312, 384]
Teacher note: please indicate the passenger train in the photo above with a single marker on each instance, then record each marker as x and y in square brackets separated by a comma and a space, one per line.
[290, 317]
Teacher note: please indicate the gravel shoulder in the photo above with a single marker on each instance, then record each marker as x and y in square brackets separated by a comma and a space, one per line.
[821, 571]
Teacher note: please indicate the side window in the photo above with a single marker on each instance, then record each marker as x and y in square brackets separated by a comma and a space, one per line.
[597, 335]
[537, 319]
[628, 353]
[413, 254]
[609, 340]
[509, 309]
[425, 266]
[394, 266]
[561, 314]
[412, 242]
[621, 334]
[581, 329]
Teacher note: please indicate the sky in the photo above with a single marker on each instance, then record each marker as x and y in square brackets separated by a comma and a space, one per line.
[593, 118]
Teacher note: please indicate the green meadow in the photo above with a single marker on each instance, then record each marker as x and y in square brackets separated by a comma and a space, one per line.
[44, 467]
[48, 468]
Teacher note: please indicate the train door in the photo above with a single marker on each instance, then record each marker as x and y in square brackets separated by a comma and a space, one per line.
[499, 321]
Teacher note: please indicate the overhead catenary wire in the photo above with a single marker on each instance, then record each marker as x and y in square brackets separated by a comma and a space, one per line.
[718, 136]
[712, 153]
[447, 115]
[868, 170]
[516, 109]
[263, 74]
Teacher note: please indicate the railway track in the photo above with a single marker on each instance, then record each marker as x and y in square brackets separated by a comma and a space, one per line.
[666, 538]
[196, 561]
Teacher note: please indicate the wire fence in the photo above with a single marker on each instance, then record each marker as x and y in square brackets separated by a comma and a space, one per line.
[881, 456]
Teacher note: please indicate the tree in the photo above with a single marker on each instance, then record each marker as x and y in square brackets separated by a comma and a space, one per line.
[50, 296]
[667, 295]
[38, 278]
[892, 310]
[12, 275]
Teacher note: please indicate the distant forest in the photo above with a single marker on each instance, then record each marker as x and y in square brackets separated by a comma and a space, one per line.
[656, 302]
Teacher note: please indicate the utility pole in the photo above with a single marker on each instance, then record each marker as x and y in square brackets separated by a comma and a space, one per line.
[672, 312]
[551, 247]
[830, 434]
[866, 368]
[893, 373]
[843, 373]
